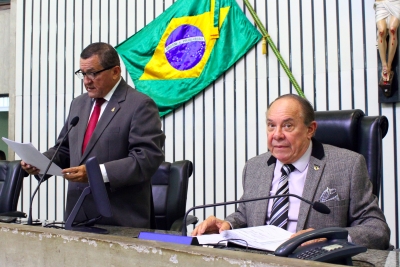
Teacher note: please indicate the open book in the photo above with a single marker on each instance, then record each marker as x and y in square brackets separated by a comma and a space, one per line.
[265, 237]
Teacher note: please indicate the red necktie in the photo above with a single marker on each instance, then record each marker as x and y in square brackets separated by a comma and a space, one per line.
[92, 122]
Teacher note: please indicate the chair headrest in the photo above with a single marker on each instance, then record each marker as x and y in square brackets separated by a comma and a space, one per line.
[338, 128]
[3, 169]
[384, 125]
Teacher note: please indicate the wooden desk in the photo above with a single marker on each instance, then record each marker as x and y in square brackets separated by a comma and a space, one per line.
[23, 245]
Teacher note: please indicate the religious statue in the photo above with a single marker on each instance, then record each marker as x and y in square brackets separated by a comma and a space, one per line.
[387, 17]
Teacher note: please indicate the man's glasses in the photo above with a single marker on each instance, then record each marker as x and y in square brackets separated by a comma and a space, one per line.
[91, 75]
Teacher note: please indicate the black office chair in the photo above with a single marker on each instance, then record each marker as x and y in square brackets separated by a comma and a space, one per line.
[170, 186]
[11, 176]
[352, 130]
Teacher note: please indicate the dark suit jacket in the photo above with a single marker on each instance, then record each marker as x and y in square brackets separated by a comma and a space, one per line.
[128, 140]
[329, 166]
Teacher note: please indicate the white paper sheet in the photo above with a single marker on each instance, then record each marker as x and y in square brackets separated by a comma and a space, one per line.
[28, 153]
[212, 239]
[265, 237]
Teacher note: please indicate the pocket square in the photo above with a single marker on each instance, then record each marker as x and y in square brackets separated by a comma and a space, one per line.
[328, 195]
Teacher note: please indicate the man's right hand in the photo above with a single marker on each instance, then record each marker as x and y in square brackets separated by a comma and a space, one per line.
[29, 168]
[211, 225]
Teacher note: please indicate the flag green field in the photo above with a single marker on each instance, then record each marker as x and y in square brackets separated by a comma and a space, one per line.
[186, 48]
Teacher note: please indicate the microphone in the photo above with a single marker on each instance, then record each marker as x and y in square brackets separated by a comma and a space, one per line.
[318, 206]
[74, 121]
[186, 240]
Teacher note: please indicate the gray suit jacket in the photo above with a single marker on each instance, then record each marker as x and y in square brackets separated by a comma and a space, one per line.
[128, 140]
[346, 171]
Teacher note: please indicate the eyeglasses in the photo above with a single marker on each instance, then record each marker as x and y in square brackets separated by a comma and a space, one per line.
[91, 75]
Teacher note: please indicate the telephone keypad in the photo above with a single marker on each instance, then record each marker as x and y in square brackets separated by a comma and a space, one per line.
[315, 252]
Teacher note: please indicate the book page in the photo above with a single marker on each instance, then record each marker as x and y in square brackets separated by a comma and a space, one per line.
[211, 239]
[265, 237]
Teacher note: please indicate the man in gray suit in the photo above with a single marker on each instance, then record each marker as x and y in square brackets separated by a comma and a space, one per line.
[325, 173]
[127, 141]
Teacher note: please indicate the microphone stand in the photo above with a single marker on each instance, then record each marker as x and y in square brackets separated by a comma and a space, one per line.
[40, 182]
[318, 206]
[74, 121]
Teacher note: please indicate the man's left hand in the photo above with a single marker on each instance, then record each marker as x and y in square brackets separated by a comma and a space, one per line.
[76, 174]
[310, 241]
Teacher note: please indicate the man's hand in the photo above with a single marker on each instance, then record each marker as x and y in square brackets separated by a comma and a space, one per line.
[76, 174]
[211, 225]
[29, 168]
[310, 241]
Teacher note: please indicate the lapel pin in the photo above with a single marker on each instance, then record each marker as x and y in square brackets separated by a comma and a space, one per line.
[112, 110]
[316, 167]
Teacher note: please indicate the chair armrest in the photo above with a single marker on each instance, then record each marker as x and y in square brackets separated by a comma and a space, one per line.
[177, 225]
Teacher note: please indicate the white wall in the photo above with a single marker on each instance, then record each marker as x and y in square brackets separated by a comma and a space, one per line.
[329, 45]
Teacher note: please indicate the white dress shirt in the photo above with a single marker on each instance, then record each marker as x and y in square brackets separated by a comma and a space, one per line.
[296, 181]
[103, 107]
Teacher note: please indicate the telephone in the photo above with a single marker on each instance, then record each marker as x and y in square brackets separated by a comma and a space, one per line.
[336, 249]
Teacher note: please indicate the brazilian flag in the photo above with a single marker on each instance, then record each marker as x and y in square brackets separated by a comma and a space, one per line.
[186, 48]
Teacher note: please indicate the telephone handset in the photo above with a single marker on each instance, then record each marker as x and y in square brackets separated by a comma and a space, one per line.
[335, 249]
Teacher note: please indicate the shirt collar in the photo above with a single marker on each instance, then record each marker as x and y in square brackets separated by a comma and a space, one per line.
[300, 164]
[109, 95]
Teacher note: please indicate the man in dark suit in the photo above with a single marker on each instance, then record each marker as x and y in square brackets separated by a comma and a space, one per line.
[127, 141]
[337, 177]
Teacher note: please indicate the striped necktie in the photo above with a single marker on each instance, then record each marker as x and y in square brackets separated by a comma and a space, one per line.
[280, 207]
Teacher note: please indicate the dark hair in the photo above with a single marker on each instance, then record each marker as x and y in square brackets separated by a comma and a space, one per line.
[2, 155]
[107, 54]
[306, 107]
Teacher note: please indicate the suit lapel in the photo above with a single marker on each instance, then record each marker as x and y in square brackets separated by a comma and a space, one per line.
[266, 171]
[111, 109]
[314, 174]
